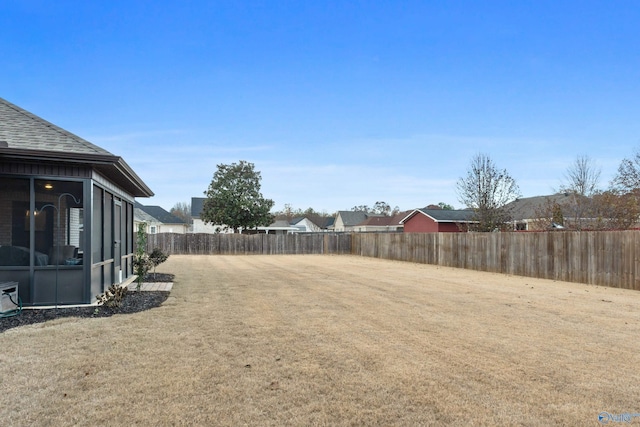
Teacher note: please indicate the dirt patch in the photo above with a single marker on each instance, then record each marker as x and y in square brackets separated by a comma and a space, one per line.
[333, 340]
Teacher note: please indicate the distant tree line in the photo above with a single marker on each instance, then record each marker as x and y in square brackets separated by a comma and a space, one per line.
[234, 198]
[489, 190]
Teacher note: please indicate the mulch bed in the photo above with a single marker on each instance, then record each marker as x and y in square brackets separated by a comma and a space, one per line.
[133, 302]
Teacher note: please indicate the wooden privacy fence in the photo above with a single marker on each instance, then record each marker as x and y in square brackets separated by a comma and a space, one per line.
[607, 258]
[246, 244]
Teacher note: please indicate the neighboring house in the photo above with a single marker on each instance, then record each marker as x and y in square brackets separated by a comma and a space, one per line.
[316, 224]
[325, 223]
[140, 216]
[66, 205]
[159, 220]
[198, 225]
[280, 226]
[348, 220]
[536, 213]
[378, 223]
[305, 225]
[296, 225]
[437, 220]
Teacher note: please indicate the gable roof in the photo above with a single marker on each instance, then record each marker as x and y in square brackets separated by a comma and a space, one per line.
[529, 207]
[27, 137]
[350, 218]
[385, 221]
[24, 130]
[326, 222]
[377, 221]
[141, 216]
[160, 214]
[280, 224]
[323, 222]
[443, 215]
[197, 203]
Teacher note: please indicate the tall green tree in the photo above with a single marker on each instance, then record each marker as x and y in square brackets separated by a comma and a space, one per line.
[487, 190]
[234, 199]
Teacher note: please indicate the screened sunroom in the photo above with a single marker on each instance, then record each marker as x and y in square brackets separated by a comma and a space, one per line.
[66, 212]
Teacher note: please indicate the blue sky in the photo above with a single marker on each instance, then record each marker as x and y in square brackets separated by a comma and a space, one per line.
[338, 103]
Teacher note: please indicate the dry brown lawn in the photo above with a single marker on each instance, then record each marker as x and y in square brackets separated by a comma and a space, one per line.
[333, 340]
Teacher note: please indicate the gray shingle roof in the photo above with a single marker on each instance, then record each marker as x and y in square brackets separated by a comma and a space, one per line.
[321, 221]
[141, 216]
[385, 221]
[530, 207]
[160, 214]
[197, 203]
[444, 215]
[350, 218]
[27, 137]
[24, 130]
[327, 222]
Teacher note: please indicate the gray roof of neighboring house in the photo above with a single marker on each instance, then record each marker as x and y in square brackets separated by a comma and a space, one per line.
[350, 218]
[531, 207]
[321, 221]
[378, 221]
[327, 222]
[160, 214]
[141, 216]
[27, 137]
[385, 221]
[281, 224]
[197, 203]
[443, 215]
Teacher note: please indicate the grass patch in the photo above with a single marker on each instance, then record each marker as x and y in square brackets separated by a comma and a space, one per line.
[333, 340]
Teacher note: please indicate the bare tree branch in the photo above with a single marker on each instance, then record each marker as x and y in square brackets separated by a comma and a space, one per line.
[487, 189]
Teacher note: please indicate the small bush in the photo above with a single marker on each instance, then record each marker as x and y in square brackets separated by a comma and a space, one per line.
[157, 257]
[141, 264]
[113, 296]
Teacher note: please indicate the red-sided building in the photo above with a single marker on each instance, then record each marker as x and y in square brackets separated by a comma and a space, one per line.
[437, 221]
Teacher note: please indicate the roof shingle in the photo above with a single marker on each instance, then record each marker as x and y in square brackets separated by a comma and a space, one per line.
[24, 130]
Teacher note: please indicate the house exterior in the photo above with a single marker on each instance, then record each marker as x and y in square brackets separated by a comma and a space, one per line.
[382, 224]
[348, 220]
[305, 225]
[158, 220]
[280, 226]
[66, 209]
[140, 216]
[536, 213]
[198, 225]
[325, 223]
[316, 224]
[437, 220]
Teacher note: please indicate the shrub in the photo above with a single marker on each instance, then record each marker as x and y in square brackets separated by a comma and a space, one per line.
[113, 296]
[141, 264]
[157, 257]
